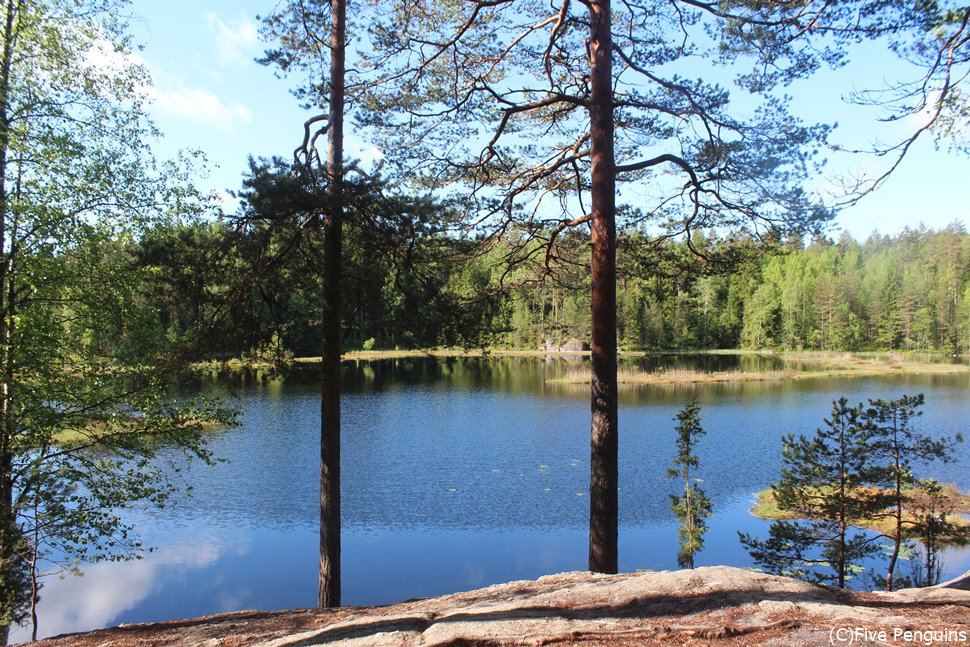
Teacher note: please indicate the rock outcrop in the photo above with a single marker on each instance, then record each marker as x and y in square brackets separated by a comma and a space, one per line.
[711, 605]
[567, 346]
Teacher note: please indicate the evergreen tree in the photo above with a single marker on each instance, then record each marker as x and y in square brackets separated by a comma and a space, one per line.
[930, 508]
[693, 508]
[823, 486]
[463, 98]
[895, 442]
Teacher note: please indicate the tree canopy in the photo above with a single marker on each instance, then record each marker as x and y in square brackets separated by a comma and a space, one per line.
[84, 405]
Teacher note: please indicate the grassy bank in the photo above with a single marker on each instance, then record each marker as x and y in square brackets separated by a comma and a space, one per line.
[235, 365]
[766, 507]
[103, 430]
[802, 366]
[362, 355]
[798, 365]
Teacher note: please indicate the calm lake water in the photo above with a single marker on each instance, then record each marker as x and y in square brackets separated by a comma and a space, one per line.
[460, 473]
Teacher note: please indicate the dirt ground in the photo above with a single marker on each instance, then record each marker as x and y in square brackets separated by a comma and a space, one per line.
[707, 606]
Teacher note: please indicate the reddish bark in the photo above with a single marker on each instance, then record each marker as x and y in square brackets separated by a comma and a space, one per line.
[329, 583]
[603, 504]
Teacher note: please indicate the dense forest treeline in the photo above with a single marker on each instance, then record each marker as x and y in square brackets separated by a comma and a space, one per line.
[411, 286]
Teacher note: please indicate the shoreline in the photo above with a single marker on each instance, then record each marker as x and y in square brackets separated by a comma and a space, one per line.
[827, 365]
[710, 605]
[798, 364]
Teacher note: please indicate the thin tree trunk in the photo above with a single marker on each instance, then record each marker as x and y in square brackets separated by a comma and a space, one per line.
[843, 521]
[897, 535]
[603, 507]
[329, 585]
[898, 511]
[34, 582]
[689, 506]
[7, 518]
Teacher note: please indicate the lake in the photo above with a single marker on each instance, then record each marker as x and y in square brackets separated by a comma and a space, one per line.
[459, 473]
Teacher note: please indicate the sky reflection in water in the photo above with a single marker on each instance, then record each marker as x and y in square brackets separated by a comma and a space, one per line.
[457, 474]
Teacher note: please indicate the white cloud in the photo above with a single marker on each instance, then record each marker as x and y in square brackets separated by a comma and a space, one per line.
[367, 154]
[104, 56]
[193, 104]
[108, 589]
[199, 105]
[922, 117]
[235, 40]
[371, 156]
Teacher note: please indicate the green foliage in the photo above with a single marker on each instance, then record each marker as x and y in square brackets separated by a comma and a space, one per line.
[896, 445]
[15, 583]
[403, 282]
[842, 296]
[933, 527]
[858, 471]
[85, 404]
[693, 507]
[425, 288]
[823, 484]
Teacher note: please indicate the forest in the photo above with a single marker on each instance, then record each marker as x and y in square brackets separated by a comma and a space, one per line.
[550, 177]
[905, 292]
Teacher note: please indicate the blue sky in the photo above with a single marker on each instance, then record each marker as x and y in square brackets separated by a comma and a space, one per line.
[210, 94]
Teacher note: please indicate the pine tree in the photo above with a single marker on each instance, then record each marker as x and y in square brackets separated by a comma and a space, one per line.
[898, 445]
[930, 508]
[693, 508]
[823, 486]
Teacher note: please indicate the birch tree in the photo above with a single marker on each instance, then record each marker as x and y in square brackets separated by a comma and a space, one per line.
[77, 183]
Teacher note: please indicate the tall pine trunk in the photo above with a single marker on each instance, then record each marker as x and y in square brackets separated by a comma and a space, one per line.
[329, 584]
[603, 505]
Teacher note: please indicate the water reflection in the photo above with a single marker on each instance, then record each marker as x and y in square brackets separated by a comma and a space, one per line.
[448, 452]
[460, 473]
[107, 590]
